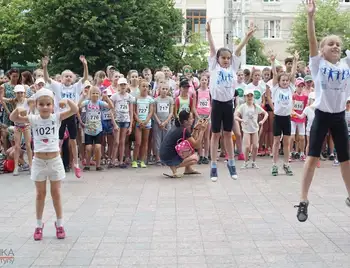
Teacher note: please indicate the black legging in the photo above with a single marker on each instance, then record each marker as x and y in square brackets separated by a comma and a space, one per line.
[65, 153]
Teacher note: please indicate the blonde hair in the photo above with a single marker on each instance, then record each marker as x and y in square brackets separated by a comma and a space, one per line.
[92, 89]
[99, 75]
[332, 36]
[159, 76]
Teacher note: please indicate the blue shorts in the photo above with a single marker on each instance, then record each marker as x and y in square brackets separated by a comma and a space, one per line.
[107, 127]
[176, 161]
[123, 124]
[149, 126]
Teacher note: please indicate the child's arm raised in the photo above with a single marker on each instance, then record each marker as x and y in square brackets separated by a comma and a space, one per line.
[16, 116]
[245, 41]
[294, 67]
[73, 109]
[210, 40]
[86, 69]
[273, 69]
[44, 63]
[311, 33]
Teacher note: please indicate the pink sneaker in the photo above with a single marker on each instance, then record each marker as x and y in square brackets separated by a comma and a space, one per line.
[38, 233]
[83, 162]
[92, 163]
[302, 158]
[77, 172]
[241, 156]
[60, 233]
[318, 164]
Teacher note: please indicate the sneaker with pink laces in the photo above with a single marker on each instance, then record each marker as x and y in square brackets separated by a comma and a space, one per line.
[302, 158]
[38, 233]
[241, 156]
[77, 172]
[60, 233]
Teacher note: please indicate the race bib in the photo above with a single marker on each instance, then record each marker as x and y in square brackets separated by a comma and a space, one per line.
[123, 107]
[94, 116]
[299, 105]
[163, 107]
[203, 103]
[83, 110]
[143, 108]
[106, 116]
[46, 132]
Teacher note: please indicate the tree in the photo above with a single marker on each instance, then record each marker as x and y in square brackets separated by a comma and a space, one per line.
[193, 52]
[255, 54]
[14, 35]
[129, 34]
[328, 20]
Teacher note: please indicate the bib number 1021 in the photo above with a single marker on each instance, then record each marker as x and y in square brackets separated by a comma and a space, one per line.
[45, 131]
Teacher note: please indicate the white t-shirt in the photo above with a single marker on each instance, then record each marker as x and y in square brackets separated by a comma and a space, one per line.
[71, 92]
[250, 116]
[331, 83]
[310, 114]
[283, 100]
[121, 106]
[259, 90]
[45, 133]
[240, 90]
[223, 80]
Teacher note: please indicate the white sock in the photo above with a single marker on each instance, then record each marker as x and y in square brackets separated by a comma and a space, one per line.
[39, 223]
[59, 223]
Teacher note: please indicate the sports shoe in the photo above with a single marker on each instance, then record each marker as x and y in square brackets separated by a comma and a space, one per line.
[226, 157]
[331, 157]
[335, 162]
[302, 214]
[60, 233]
[77, 172]
[134, 164]
[15, 172]
[142, 164]
[347, 201]
[288, 170]
[318, 164]
[274, 170]
[205, 161]
[214, 174]
[302, 157]
[24, 167]
[241, 157]
[200, 161]
[38, 233]
[261, 152]
[99, 168]
[233, 172]
[245, 165]
[254, 165]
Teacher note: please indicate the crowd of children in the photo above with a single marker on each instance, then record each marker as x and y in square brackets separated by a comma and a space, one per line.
[118, 121]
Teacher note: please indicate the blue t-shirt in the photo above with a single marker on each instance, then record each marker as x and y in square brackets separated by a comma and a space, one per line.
[93, 125]
[143, 107]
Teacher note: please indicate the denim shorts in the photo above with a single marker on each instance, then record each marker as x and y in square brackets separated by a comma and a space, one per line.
[123, 124]
[107, 127]
[149, 126]
[176, 161]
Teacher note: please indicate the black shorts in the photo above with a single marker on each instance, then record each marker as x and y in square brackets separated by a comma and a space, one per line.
[338, 128]
[268, 108]
[71, 125]
[93, 139]
[221, 116]
[281, 125]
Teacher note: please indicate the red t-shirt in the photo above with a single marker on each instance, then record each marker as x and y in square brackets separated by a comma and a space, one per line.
[300, 102]
[106, 83]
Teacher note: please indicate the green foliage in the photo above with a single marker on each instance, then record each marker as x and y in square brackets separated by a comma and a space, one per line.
[129, 34]
[255, 53]
[329, 19]
[193, 52]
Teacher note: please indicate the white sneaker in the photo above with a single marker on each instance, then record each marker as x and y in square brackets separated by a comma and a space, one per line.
[245, 165]
[255, 166]
[15, 172]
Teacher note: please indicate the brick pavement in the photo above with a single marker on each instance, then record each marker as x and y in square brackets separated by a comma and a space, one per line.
[137, 218]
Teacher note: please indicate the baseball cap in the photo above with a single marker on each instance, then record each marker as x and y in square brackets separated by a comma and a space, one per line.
[87, 84]
[19, 88]
[248, 91]
[184, 83]
[122, 81]
[348, 99]
[312, 95]
[40, 80]
[110, 67]
[43, 92]
[299, 82]
[308, 78]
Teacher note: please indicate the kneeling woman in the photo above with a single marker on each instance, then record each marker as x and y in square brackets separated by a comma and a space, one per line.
[168, 154]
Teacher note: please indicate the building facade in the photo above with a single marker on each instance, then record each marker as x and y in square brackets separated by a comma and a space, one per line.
[273, 19]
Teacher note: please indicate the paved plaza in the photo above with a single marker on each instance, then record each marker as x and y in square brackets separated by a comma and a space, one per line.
[138, 218]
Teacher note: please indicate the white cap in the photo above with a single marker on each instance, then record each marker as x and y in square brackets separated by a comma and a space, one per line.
[248, 91]
[312, 95]
[43, 92]
[122, 81]
[348, 99]
[87, 84]
[19, 88]
[40, 80]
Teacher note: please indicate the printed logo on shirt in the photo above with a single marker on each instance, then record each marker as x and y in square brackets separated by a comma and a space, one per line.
[224, 77]
[257, 94]
[284, 99]
[334, 78]
[240, 92]
[68, 95]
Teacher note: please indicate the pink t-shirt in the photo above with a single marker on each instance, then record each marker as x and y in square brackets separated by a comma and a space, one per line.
[203, 102]
[299, 104]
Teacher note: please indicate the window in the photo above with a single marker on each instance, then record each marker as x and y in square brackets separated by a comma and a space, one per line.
[271, 1]
[344, 1]
[196, 20]
[272, 29]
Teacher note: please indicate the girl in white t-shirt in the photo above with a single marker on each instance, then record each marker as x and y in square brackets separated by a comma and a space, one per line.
[47, 162]
[247, 114]
[223, 66]
[282, 98]
[257, 85]
[332, 77]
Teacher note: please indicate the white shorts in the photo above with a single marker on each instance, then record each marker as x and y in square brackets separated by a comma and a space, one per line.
[51, 169]
[300, 126]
